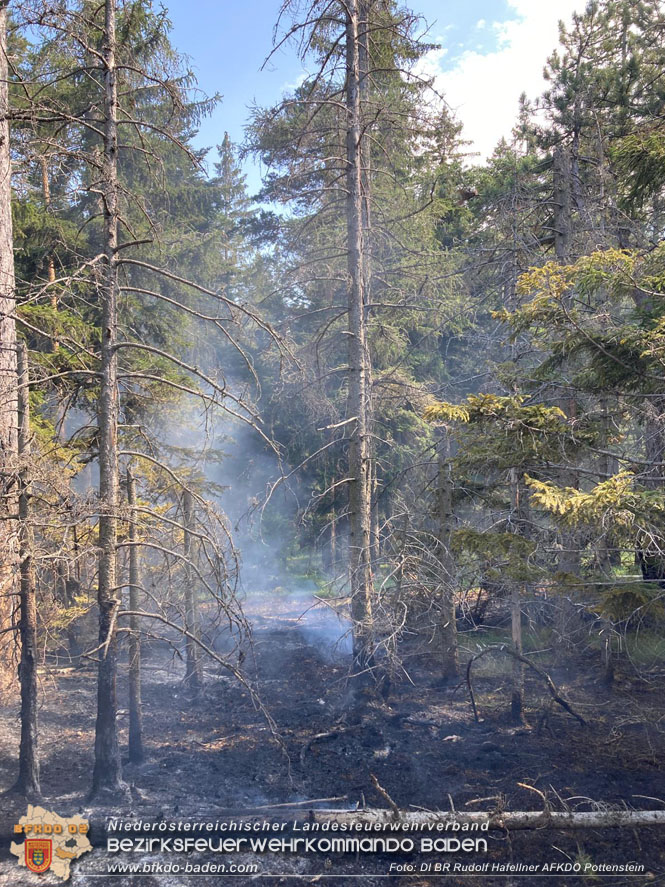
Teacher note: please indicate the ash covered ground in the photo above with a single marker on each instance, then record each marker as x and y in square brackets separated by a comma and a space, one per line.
[419, 740]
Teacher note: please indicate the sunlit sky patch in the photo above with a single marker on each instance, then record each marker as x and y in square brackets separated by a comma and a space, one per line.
[491, 51]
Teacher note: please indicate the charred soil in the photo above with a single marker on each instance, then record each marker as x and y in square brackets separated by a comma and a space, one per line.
[419, 740]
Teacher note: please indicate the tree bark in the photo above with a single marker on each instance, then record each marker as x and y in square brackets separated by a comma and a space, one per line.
[569, 555]
[365, 157]
[107, 773]
[28, 763]
[8, 379]
[649, 556]
[569, 559]
[193, 677]
[135, 745]
[609, 555]
[517, 694]
[446, 627]
[46, 190]
[654, 442]
[562, 215]
[374, 506]
[333, 530]
[358, 371]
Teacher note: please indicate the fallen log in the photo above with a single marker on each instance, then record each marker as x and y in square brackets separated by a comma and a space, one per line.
[497, 820]
[375, 818]
[368, 820]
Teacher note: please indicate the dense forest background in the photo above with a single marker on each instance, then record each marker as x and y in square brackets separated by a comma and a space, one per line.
[422, 392]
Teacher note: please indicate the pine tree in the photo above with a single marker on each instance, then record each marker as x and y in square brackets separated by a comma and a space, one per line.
[371, 271]
[8, 367]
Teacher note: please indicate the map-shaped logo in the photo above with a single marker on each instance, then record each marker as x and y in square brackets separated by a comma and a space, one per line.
[51, 843]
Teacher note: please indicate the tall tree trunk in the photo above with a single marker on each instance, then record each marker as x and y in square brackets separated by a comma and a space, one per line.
[654, 446]
[569, 556]
[517, 695]
[358, 376]
[562, 209]
[333, 529]
[28, 762]
[107, 773]
[569, 560]
[608, 554]
[446, 616]
[8, 379]
[193, 677]
[46, 190]
[365, 157]
[135, 744]
[650, 559]
[374, 516]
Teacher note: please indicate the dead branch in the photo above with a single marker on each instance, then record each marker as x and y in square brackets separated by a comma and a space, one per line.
[386, 797]
[551, 686]
[229, 666]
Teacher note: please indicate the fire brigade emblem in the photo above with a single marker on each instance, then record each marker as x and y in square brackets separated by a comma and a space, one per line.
[38, 854]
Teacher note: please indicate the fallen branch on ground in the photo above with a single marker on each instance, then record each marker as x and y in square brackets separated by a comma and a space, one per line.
[386, 797]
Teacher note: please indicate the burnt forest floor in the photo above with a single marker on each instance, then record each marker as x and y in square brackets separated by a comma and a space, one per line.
[420, 741]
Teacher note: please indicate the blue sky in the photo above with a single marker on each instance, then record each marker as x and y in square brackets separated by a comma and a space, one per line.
[491, 51]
